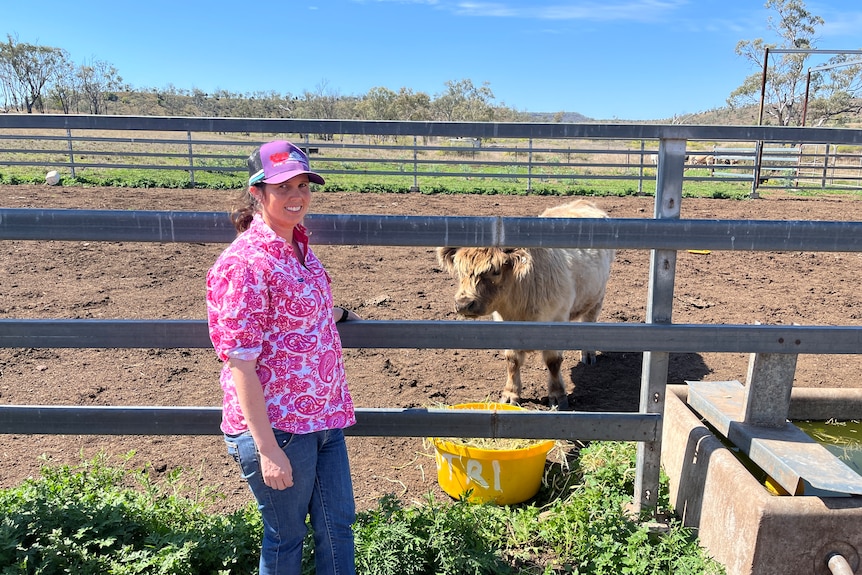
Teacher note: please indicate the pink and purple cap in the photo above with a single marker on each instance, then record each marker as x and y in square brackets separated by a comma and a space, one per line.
[278, 161]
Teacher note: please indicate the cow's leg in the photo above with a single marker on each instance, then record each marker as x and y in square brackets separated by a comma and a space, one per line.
[512, 391]
[556, 387]
[588, 356]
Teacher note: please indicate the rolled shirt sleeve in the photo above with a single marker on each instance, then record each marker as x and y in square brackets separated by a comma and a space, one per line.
[237, 301]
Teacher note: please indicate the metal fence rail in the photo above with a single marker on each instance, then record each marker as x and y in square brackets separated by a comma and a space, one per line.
[409, 422]
[439, 334]
[376, 230]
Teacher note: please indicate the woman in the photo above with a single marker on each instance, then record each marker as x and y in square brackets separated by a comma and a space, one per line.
[286, 401]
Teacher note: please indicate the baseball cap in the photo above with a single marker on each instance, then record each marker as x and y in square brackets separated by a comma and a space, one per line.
[278, 161]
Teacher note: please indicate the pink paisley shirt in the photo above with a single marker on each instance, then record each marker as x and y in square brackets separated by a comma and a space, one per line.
[264, 304]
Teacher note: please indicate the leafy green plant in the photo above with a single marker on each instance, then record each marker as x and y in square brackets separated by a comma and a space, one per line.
[355, 180]
[94, 518]
[83, 520]
[588, 530]
[430, 538]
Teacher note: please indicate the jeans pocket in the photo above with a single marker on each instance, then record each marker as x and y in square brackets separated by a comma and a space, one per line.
[232, 449]
[242, 449]
[283, 438]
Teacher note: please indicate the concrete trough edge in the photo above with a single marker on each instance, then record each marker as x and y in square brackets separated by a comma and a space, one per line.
[738, 522]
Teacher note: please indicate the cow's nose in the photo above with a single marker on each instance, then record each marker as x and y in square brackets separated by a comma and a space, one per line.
[465, 306]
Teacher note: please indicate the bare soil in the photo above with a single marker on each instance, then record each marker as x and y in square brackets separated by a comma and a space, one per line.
[141, 280]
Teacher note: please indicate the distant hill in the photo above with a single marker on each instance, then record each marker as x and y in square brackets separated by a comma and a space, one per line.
[745, 116]
[742, 116]
[725, 116]
[563, 117]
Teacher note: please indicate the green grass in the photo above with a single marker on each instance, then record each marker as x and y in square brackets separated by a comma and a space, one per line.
[128, 178]
[363, 183]
[610, 182]
[83, 520]
[99, 518]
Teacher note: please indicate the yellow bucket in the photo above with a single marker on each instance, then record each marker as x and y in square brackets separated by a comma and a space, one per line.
[501, 476]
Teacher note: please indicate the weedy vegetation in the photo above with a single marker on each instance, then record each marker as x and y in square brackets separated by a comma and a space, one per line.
[359, 183]
[98, 517]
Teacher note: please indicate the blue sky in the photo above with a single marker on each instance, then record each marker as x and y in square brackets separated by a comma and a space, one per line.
[606, 59]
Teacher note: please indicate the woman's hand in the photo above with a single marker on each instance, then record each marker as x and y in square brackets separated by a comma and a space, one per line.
[342, 314]
[274, 464]
[276, 469]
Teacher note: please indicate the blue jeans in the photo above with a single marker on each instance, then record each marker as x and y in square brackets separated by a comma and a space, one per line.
[322, 489]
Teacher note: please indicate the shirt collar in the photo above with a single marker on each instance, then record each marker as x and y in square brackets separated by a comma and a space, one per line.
[300, 234]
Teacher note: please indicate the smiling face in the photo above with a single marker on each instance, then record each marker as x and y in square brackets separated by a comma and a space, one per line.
[284, 205]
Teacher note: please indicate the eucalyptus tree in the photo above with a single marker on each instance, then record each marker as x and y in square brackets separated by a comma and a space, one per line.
[835, 92]
[410, 105]
[789, 76]
[26, 70]
[64, 89]
[322, 103]
[99, 81]
[462, 101]
[379, 103]
[203, 104]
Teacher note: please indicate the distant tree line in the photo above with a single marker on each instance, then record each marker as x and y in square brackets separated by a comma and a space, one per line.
[36, 78]
[40, 79]
[459, 101]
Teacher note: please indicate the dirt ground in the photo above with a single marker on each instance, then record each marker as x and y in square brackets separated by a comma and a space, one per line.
[136, 280]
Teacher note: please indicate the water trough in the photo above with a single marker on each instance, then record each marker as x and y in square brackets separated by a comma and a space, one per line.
[740, 523]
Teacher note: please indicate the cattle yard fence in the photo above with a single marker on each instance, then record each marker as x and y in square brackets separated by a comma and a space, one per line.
[664, 234]
[526, 154]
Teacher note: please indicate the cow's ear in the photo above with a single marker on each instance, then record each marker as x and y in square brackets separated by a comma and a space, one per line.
[521, 261]
[446, 258]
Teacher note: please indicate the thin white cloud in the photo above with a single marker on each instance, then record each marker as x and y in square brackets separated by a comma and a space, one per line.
[632, 10]
[589, 10]
[842, 25]
[721, 26]
[489, 9]
[428, 2]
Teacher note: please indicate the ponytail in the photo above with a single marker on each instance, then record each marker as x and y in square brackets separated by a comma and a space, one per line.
[247, 206]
